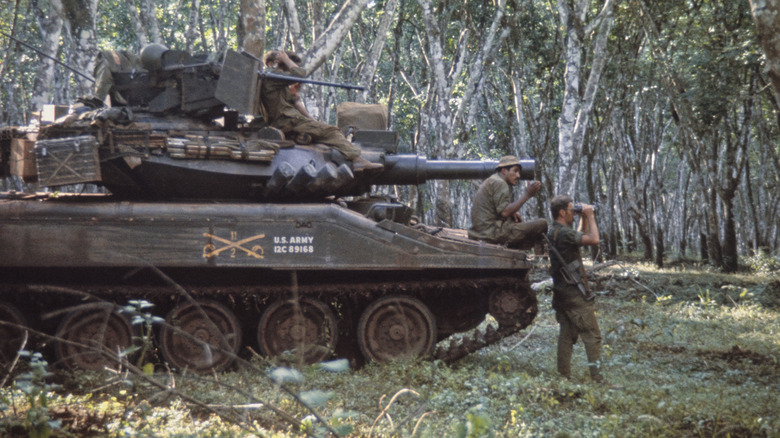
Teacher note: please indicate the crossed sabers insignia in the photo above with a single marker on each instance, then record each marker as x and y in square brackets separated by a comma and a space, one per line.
[212, 251]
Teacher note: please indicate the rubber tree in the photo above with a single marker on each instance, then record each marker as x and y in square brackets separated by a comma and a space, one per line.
[368, 68]
[440, 119]
[80, 16]
[252, 27]
[50, 24]
[766, 14]
[580, 86]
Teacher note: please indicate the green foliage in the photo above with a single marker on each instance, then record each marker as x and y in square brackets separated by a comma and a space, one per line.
[763, 263]
[477, 424]
[113, 21]
[36, 396]
[699, 361]
[144, 343]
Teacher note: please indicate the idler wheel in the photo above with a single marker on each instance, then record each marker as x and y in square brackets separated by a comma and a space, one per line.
[396, 327]
[200, 336]
[12, 335]
[88, 339]
[509, 307]
[308, 326]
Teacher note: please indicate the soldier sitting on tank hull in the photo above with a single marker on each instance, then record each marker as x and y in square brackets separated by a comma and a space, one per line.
[495, 217]
[281, 108]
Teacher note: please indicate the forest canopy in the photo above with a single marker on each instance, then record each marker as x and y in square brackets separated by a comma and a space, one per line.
[661, 113]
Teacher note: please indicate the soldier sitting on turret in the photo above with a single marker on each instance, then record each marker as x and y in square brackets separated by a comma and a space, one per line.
[495, 216]
[281, 110]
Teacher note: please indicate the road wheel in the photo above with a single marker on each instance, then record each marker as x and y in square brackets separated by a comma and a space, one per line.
[396, 327]
[307, 325]
[200, 336]
[513, 307]
[90, 339]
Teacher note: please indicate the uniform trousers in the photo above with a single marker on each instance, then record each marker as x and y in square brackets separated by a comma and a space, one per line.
[576, 323]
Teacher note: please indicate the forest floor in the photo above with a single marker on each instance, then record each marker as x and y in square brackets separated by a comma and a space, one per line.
[688, 351]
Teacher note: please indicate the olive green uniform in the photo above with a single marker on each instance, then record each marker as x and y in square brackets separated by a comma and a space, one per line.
[575, 315]
[280, 112]
[487, 224]
[107, 63]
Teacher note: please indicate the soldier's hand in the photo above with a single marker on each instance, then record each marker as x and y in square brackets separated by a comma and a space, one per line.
[533, 188]
[587, 209]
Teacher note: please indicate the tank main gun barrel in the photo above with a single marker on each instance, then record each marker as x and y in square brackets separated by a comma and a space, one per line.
[414, 169]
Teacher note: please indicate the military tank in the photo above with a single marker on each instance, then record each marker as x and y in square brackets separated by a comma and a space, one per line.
[241, 237]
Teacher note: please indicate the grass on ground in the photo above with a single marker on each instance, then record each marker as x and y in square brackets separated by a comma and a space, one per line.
[693, 352]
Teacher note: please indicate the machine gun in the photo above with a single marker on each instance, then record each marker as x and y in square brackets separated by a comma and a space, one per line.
[230, 57]
[572, 272]
[238, 81]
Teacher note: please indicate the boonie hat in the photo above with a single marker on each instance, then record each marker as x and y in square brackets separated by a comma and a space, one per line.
[508, 160]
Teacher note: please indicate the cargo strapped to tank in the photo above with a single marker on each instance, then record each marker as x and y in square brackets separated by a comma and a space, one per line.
[71, 160]
[221, 148]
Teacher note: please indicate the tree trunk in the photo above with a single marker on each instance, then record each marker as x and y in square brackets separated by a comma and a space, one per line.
[221, 26]
[734, 160]
[635, 209]
[730, 260]
[766, 14]
[294, 25]
[84, 49]
[644, 234]
[331, 39]
[437, 131]
[7, 51]
[713, 228]
[577, 108]
[483, 57]
[252, 27]
[50, 23]
[659, 246]
[704, 251]
[371, 63]
[138, 24]
[612, 219]
[682, 195]
[148, 12]
[520, 133]
[750, 204]
[192, 27]
[440, 123]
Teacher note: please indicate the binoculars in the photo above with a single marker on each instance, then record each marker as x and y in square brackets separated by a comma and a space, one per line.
[578, 208]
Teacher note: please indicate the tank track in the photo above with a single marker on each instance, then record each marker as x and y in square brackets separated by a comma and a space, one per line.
[433, 291]
[455, 350]
[462, 346]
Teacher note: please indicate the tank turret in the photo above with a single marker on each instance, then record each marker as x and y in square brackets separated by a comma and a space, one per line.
[295, 174]
[172, 134]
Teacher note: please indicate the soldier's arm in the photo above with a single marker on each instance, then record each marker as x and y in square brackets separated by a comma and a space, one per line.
[589, 227]
[512, 209]
[298, 102]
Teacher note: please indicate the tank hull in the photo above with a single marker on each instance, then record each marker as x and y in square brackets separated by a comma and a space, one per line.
[195, 235]
[248, 260]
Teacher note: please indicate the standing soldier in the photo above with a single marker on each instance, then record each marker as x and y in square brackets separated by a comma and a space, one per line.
[572, 300]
